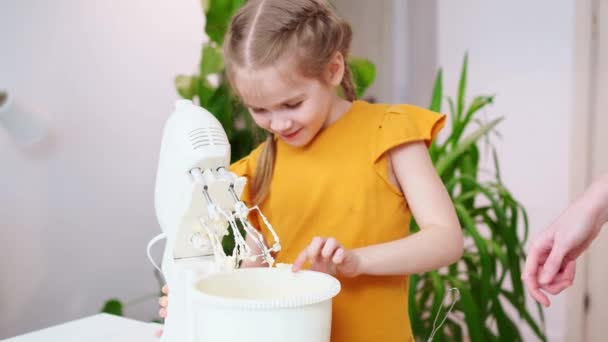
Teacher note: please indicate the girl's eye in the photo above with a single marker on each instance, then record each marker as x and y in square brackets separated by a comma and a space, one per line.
[293, 105]
[258, 110]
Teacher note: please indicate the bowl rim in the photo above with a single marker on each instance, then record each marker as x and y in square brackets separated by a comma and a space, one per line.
[266, 304]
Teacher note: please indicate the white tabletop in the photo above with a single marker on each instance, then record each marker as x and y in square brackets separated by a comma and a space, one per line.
[97, 328]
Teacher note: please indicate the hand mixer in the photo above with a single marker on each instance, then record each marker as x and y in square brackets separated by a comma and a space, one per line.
[197, 203]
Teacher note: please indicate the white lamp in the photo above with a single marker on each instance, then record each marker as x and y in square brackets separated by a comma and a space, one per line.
[23, 127]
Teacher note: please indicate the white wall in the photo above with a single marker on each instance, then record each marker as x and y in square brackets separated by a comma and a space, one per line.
[76, 211]
[398, 36]
[523, 52]
[597, 274]
[372, 26]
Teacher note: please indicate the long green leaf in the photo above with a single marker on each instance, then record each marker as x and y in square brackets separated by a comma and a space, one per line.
[524, 314]
[454, 331]
[414, 306]
[496, 165]
[497, 252]
[436, 99]
[514, 263]
[478, 103]
[437, 95]
[486, 260]
[468, 167]
[506, 329]
[498, 211]
[453, 112]
[462, 84]
[445, 162]
[472, 316]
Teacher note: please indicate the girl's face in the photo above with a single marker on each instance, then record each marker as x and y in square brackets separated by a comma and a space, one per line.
[282, 101]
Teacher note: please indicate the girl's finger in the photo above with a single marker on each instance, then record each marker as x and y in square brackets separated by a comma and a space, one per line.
[163, 301]
[329, 248]
[300, 260]
[314, 249]
[339, 256]
[165, 289]
[310, 253]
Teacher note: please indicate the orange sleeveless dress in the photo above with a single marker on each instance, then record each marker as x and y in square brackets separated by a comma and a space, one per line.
[338, 186]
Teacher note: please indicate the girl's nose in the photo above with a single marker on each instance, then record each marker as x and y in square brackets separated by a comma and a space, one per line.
[280, 125]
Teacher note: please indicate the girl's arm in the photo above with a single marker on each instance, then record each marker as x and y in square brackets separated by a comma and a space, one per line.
[439, 241]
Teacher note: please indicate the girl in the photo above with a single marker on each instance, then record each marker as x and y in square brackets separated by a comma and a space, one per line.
[338, 178]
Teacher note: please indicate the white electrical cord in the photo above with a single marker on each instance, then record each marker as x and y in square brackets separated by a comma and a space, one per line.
[152, 243]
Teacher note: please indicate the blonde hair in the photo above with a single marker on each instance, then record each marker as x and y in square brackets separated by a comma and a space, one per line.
[263, 31]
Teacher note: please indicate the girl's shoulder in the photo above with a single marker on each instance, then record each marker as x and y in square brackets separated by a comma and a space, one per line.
[404, 111]
[246, 166]
[397, 124]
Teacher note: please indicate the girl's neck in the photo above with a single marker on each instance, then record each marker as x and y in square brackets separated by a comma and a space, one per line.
[339, 107]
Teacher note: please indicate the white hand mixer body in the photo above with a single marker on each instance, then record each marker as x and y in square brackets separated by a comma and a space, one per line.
[197, 203]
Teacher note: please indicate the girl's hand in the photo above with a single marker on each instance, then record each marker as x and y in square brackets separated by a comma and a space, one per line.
[329, 256]
[162, 312]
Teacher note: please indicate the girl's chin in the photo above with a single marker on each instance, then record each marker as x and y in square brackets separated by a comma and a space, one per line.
[297, 142]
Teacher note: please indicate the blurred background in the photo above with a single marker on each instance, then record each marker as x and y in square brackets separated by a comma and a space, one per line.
[95, 81]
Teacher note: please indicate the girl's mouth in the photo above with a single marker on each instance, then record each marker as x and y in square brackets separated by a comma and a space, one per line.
[291, 135]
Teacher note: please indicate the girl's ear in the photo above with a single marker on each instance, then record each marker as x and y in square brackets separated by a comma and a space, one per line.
[335, 69]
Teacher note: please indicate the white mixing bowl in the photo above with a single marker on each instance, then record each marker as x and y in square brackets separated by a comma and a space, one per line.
[264, 305]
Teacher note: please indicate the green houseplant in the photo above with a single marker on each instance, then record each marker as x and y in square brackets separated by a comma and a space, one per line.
[495, 226]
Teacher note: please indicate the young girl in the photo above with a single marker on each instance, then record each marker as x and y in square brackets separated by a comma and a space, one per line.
[338, 178]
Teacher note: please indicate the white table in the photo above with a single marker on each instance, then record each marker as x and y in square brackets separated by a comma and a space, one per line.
[97, 328]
